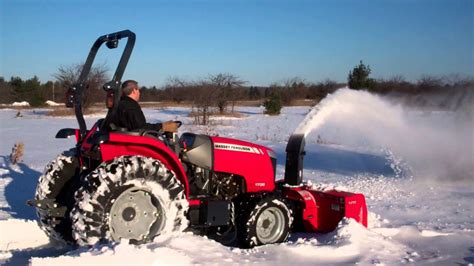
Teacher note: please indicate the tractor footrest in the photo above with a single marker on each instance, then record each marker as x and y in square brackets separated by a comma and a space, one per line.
[50, 206]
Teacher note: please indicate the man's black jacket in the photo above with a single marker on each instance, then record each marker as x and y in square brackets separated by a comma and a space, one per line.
[130, 115]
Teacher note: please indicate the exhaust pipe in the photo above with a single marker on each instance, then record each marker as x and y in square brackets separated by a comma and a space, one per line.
[294, 160]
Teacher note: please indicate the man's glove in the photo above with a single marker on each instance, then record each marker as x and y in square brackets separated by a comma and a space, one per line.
[169, 126]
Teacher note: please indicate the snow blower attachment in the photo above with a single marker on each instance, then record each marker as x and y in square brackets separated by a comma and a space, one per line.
[318, 210]
[119, 185]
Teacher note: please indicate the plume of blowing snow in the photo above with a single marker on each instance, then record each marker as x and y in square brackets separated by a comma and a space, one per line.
[436, 144]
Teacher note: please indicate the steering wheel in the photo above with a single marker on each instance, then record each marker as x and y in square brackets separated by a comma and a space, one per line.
[160, 133]
[169, 135]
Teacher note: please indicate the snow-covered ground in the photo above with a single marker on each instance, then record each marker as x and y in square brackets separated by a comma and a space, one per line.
[416, 169]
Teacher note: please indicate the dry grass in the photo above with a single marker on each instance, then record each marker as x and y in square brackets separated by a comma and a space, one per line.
[217, 114]
[303, 102]
[230, 114]
[58, 112]
[3, 106]
[16, 155]
[61, 112]
[253, 103]
[98, 108]
[165, 104]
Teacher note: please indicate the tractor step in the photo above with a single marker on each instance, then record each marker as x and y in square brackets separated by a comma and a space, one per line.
[210, 213]
[50, 206]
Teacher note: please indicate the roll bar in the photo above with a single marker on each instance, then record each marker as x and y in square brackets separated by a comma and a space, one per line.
[74, 94]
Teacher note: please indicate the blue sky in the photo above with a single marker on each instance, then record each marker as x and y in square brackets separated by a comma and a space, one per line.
[259, 41]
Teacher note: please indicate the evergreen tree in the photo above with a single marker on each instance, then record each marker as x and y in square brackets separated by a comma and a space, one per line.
[273, 104]
[5, 91]
[358, 78]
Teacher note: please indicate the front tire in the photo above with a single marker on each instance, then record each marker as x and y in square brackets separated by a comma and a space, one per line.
[133, 197]
[268, 222]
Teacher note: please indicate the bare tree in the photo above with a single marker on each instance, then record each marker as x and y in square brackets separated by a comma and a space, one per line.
[202, 94]
[226, 86]
[321, 89]
[293, 82]
[176, 82]
[428, 83]
[205, 96]
[291, 89]
[178, 89]
[69, 74]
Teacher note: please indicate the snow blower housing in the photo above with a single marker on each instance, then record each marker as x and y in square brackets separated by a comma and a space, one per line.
[134, 185]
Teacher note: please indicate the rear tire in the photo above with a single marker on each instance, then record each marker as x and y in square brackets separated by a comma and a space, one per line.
[58, 183]
[264, 221]
[132, 197]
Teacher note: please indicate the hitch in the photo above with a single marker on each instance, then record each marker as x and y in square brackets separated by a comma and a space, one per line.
[49, 205]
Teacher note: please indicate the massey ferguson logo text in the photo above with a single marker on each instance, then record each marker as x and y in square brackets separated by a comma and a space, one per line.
[232, 147]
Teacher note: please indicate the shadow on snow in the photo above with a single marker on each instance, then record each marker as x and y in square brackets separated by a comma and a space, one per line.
[340, 161]
[22, 257]
[17, 192]
[20, 189]
[175, 112]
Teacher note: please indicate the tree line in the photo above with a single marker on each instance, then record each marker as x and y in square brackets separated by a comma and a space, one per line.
[453, 92]
[36, 93]
[30, 90]
[220, 92]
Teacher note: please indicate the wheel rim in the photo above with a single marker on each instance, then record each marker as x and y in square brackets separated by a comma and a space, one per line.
[135, 215]
[270, 225]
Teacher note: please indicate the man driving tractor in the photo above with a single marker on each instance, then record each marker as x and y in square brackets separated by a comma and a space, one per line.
[129, 114]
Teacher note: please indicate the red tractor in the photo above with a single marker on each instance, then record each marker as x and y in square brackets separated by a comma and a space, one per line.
[134, 185]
